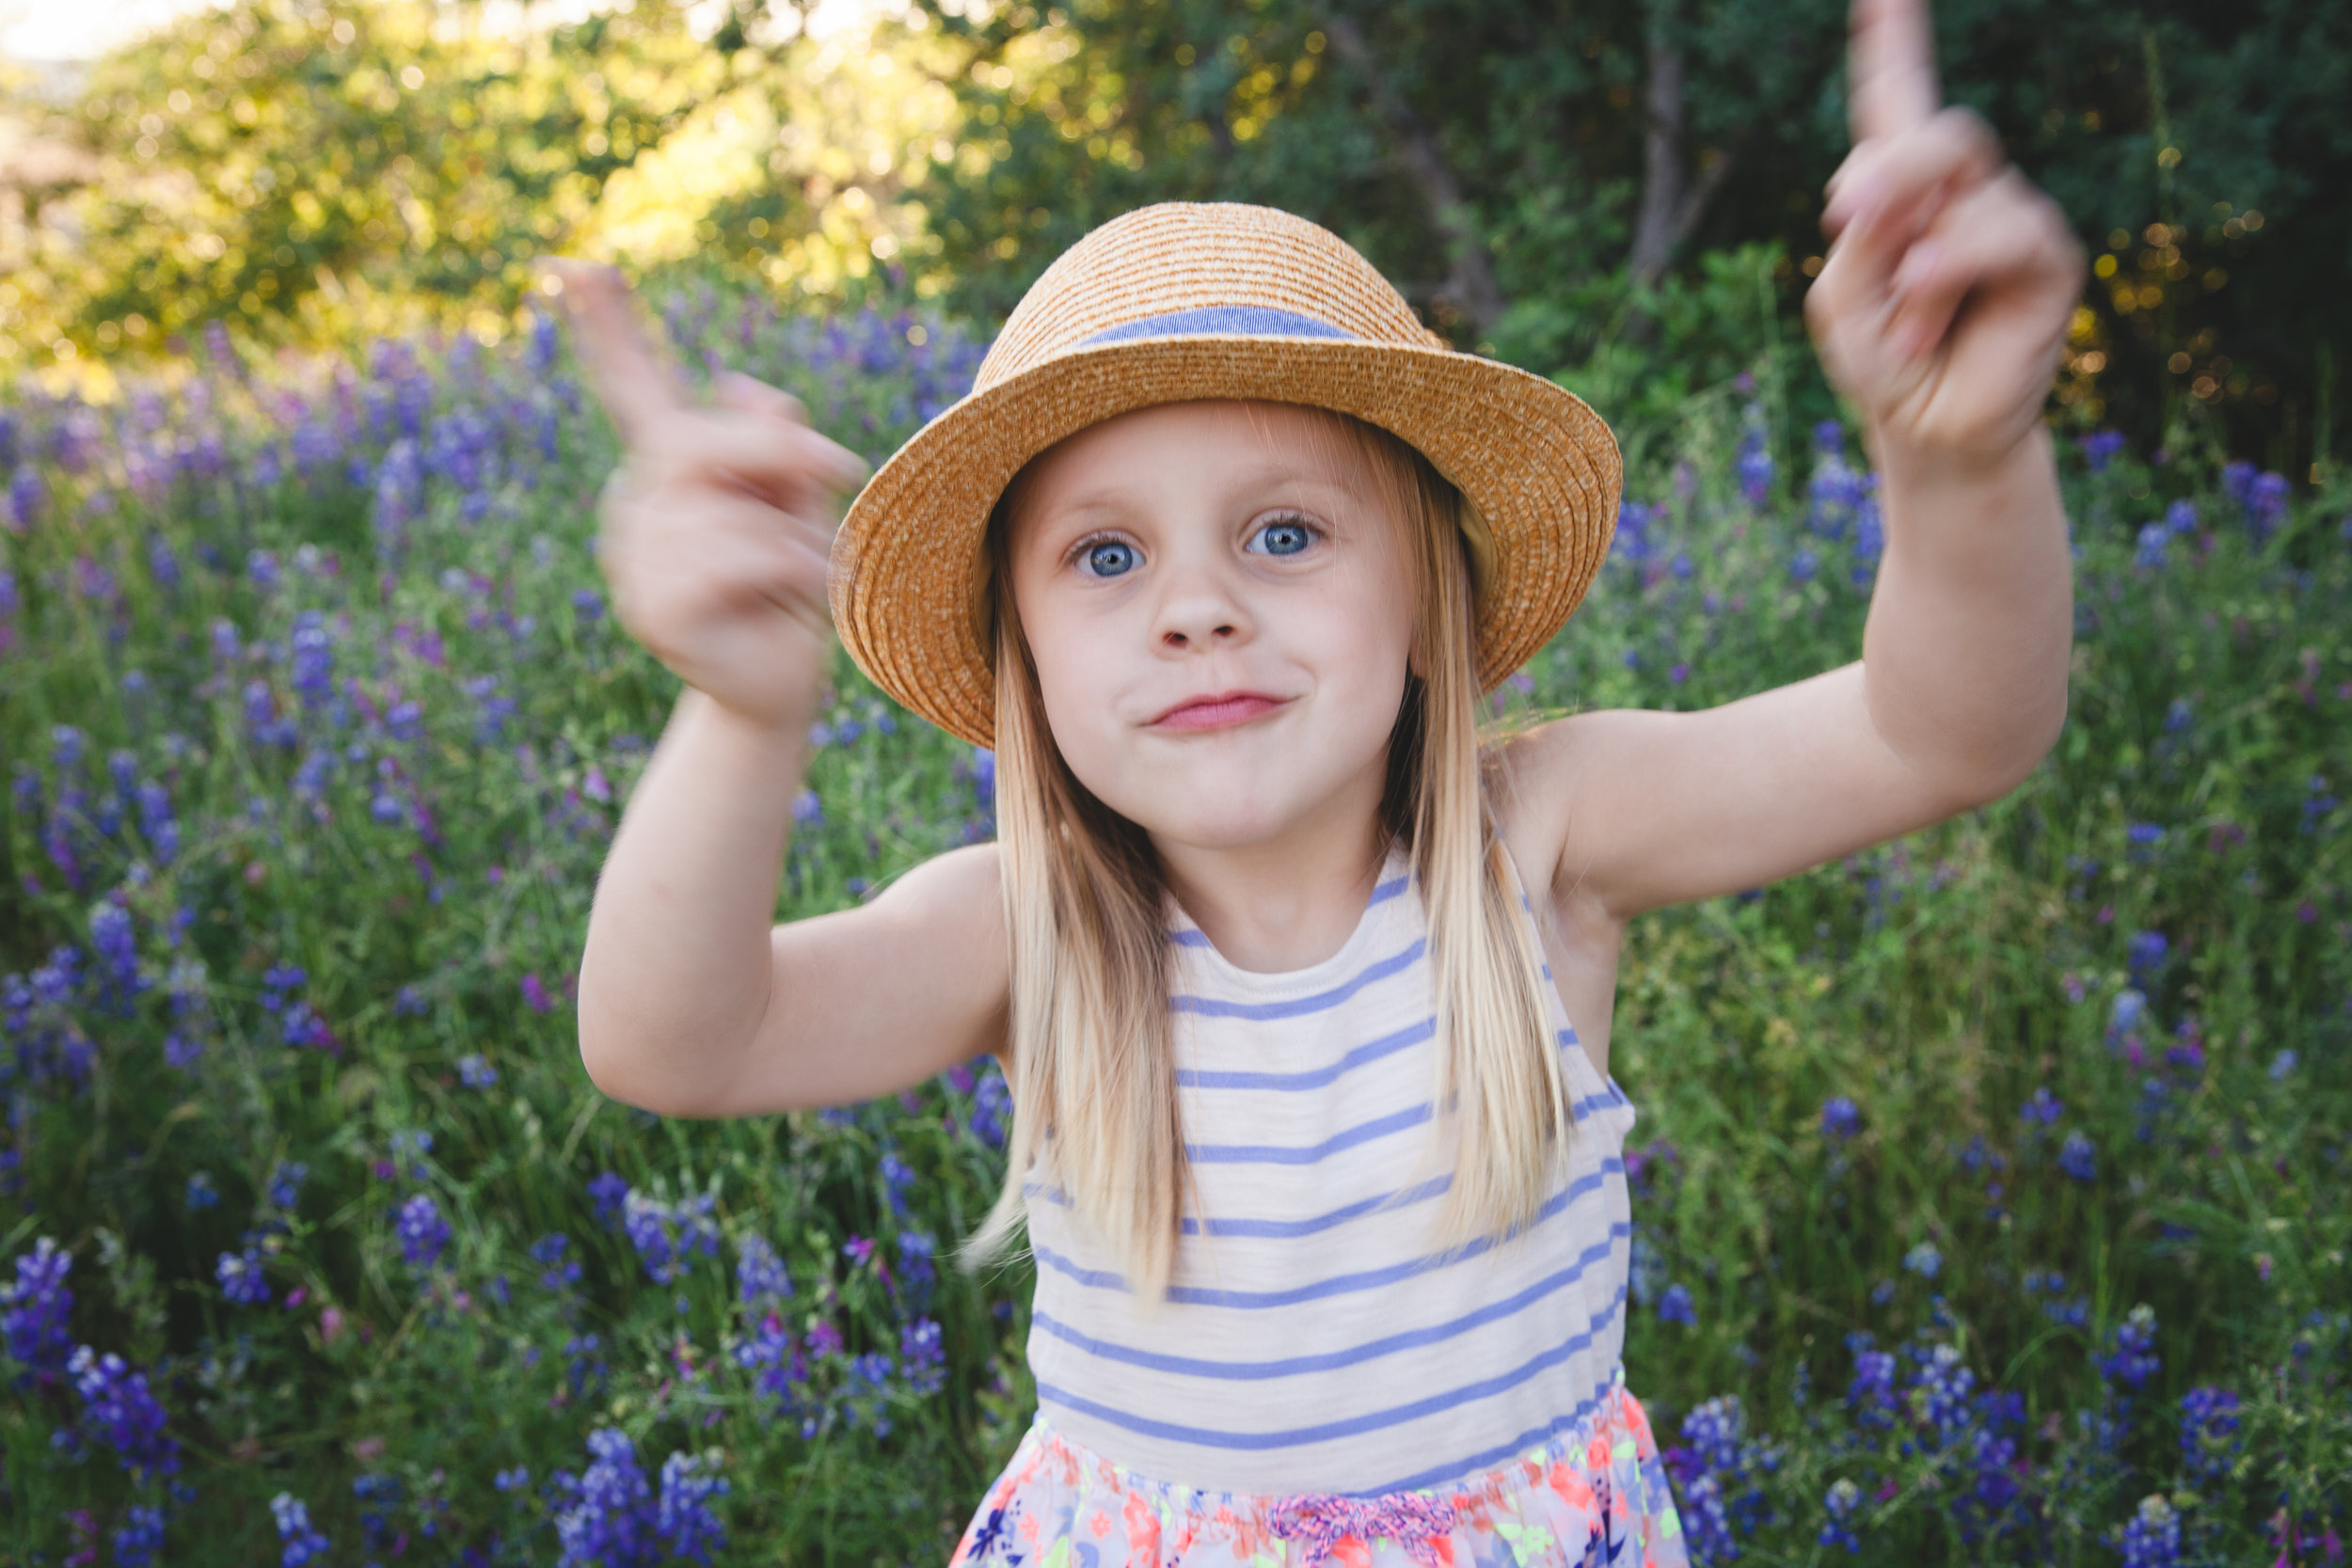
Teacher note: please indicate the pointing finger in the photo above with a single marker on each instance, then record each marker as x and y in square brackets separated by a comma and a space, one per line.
[631, 377]
[1890, 67]
[1955, 148]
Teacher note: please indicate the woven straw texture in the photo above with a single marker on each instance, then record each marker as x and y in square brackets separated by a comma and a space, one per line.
[1539, 467]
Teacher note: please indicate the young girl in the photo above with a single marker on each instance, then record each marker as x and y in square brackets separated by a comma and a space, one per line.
[1303, 995]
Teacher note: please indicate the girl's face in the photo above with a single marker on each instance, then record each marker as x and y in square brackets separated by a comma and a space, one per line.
[1220, 609]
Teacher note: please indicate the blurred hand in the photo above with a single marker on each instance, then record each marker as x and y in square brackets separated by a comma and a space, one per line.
[717, 524]
[1951, 280]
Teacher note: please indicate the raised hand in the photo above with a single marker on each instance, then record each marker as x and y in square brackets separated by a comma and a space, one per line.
[1943, 303]
[717, 525]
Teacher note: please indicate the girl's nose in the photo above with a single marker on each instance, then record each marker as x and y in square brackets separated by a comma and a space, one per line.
[1197, 610]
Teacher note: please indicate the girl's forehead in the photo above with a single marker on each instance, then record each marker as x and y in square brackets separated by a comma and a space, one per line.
[1226, 440]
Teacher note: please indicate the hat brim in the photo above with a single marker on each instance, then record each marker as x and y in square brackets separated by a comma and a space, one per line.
[1541, 467]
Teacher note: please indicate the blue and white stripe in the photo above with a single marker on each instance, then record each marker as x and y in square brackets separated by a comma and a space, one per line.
[1314, 1338]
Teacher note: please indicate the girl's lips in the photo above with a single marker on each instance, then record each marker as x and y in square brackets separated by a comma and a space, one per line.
[1221, 711]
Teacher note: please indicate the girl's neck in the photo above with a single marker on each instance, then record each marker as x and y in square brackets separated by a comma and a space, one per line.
[1284, 903]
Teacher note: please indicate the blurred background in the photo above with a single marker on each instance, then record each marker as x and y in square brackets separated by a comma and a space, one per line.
[1625, 190]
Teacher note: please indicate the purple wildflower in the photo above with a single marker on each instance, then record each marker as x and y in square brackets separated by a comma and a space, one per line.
[2131, 1357]
[140, 1538]
[2099, 447]
[2077, 1159]
[608, 1192]
[1839, 1502]
[422, 1231]
[37, 1306]
[1674, 1307]
[240, 1277]
[118, 1407]
[2208, 1418]
[667, 1235]
[760, 1274]
[2151, 1538]
[1839, 1118]
[302, 1542]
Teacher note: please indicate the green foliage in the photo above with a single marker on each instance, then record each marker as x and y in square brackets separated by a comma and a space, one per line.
[1538, 121]
[272, 163]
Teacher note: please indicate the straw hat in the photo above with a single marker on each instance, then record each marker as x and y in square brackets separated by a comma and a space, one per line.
[1188, 300]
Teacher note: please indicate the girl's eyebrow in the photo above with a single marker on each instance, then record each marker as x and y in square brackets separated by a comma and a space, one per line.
[1115, 496]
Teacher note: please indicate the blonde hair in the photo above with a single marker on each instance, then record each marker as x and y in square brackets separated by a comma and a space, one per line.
[1092, 1075]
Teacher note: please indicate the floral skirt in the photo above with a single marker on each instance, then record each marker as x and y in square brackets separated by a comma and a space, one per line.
[1594, 1495]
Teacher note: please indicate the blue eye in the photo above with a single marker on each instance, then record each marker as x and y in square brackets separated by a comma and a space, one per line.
[1110, 558]
[1285, 536]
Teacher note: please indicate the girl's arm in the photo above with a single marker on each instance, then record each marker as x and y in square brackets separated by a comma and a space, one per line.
[691, 1006]
[1940, 311]
[714, 539]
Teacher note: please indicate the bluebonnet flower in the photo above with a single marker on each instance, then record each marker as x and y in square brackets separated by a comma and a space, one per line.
[261, 567]
[2077, 1159]
[1755, 467]
[684, 1519]
[285, 1182]
[587, 606]
[139, 1538]
[560, 1271]
[1839, 1502]
[921, 1358]
[2131, 1357]
[1839, 1118]
[201, 1193]
[865, 1392]
[610, 1516]
[2146, 952]
[301, 1542]
[2151, 1538]
[475, 1071]
[608, 1192]
[915, 1271]
[240, 1277]
[1924, 1260]
[28, 496]
[760, 1274]
[37, 1306]
[2283, 1064]
[898, 1176]
[2208, 1418]
[666, 1235]
[1644, 1270]
[584, 1370]
[1674, 1307]
[376, 1496]
[991, 1106]
[1871, 1397]
[1802, 565]
[118, 1407]
[422, 1231]
[2181, 518]
[2044, 1108]
[1719, 1471]
[2129, 1008]
[2099, 447]
[2151, 542]
[2144, 832]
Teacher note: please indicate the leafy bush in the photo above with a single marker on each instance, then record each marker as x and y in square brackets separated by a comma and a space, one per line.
[1991, 1191]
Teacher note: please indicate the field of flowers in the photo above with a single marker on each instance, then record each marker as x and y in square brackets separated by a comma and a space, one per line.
[1991, 1188]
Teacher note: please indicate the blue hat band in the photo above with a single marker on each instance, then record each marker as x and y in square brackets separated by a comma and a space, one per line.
[1257, 320]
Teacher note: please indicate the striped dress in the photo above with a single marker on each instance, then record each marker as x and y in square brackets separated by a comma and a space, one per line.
[1310, 1342]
